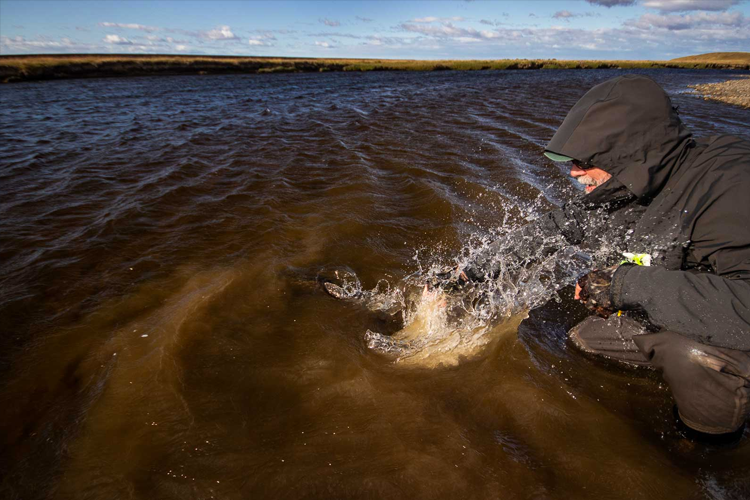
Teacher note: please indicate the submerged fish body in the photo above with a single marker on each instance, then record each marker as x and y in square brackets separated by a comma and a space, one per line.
[437, 326]
[339, 292]
[435, 323]
[389, 344]
[380, 302]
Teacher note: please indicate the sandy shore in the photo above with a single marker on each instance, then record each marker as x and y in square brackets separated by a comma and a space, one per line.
[735, 92]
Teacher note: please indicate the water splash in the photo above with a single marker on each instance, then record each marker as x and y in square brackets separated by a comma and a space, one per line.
[446, 318]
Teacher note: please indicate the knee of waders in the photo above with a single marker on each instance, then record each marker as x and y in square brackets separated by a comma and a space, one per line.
[711, 385]
[611, 338]
[725, 439]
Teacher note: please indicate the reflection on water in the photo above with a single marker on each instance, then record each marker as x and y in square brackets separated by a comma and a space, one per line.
[165, 334]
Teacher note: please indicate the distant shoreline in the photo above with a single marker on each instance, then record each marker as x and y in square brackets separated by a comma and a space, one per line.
[57, 67]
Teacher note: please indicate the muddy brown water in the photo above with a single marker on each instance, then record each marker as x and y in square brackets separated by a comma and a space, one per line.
[163, 334]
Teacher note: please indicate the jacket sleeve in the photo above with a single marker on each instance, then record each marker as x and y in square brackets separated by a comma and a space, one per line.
[529, 241]
[711, 309]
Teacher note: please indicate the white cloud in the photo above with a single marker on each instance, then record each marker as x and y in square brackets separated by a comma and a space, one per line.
[651, 35]
[264, 38]
[387, 41]
[330, 22]
[563, 14]
[450, 31]
[337, 35]
[494, 22]
[19, 44]
[665, 6]
[265, 34]
[116, 40]
[259, 43]
[612, 3]
[567, 15]
[109, 43]
[211, 41]
[130, 26]
[446, 30]
[699, 20]
[432, 19]
[219, 33]
[701, 32]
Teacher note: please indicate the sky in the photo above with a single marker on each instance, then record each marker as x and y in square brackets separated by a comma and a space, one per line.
[477, 29]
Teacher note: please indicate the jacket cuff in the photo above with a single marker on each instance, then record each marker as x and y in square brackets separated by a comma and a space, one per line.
[618, 283]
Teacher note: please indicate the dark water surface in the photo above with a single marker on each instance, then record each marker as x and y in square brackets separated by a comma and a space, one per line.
[163, 334]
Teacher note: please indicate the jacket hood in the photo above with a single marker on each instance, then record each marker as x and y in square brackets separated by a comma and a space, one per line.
[627, 127]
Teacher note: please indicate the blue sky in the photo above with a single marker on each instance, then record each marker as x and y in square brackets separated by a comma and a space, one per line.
[564, 29]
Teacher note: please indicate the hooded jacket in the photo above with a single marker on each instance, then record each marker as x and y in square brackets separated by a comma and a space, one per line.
[696, 222]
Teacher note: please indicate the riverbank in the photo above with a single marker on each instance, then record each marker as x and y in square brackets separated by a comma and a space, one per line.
[735, 92]
[54, 67]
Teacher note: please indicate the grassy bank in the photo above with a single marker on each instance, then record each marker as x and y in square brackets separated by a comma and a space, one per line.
[738, 58]
[51, 67]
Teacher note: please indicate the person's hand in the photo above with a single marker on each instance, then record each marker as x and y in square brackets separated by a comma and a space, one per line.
[434, 295]
[453, 272]
[593, 290]
[450, 279]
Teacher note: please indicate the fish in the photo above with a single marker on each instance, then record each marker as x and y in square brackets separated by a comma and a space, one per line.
[433, 321]
[446, 317]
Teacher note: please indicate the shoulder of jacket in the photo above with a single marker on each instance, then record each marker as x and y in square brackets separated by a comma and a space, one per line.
[732, 143]
[723, 154]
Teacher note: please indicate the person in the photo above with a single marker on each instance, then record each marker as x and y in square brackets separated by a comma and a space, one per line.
[685, 204]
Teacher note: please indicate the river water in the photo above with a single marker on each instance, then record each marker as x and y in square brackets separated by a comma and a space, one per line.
[163, 329]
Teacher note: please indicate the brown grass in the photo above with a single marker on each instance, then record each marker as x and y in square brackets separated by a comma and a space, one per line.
[47, 67]
[724, 57]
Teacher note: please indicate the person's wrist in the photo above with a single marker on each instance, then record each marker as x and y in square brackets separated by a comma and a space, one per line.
[618, 281]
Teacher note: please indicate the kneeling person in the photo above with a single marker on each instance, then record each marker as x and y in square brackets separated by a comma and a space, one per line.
[624, 136]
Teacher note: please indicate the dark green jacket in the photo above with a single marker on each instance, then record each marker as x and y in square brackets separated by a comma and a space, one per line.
[695, 219]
